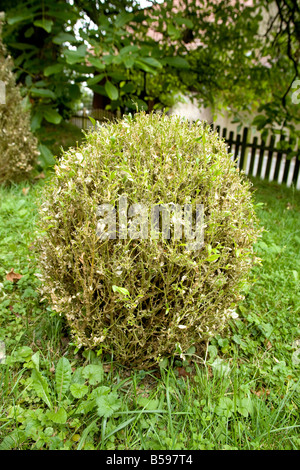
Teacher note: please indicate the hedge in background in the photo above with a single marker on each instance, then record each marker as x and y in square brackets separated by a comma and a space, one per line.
[18, 147]
[144, 299]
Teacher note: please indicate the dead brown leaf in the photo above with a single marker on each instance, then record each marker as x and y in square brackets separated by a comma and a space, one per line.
[13, 277]
[40, 176]
[268, 344]
[25, 191]
[261, 393]
[182, 372]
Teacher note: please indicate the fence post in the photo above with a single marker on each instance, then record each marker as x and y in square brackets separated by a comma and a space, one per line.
[237, 146]
[243, 161]
[230, 141]
[253, 154]
[270, 156]
[287, 165]
[278, 160]
[261, 157]
[296, 169]
[241, 144]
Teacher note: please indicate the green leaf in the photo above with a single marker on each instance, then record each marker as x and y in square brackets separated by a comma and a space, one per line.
[144, 66]
[29, 32]
[63, 37]
[220, 367]
[86, 406]
[51, 69]
[40, 84]
[62, 377]
[178, 62]
[212, 258]
[93, 121]
[118, 76]
[98, 89]
[79, 390]
[128, 87]
[46, 157]
[108, 59]
[148, 404]
[173, 31]
[125, 50]
[96, 79]
[93, 373]
[13, 440]
[41, 388]
[120, 427]
[183, 21]
[42, 93]
[28, 81]
[52, 116]
[36, 360]
[244, 406]
[45, 24]
[225, 407]
[96, 62]
[18, 17]
[129, 61]
[91, 427]
[23, 46]
[111, 90]
[60, 416]
[74, 91]
[121, 290]
[107, 405]
[77, 376]
[99, 392]
[73, 57]
[259, 121]
[151, 62]
[122, 19]
[103, 22]
[23, 354]
[142, 105]
[68, 14]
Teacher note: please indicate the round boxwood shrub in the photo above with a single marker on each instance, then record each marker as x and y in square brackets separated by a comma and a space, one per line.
[157, 294]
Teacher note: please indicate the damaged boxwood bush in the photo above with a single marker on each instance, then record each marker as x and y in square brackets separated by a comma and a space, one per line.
[145, 299]
[18, 146]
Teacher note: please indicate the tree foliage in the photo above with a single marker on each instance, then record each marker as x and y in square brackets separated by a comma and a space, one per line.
[233, 55]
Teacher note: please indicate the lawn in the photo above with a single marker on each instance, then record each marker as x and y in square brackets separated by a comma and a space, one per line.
[244, 394]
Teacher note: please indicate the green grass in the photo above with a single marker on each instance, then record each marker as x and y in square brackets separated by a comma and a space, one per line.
[243, 395]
